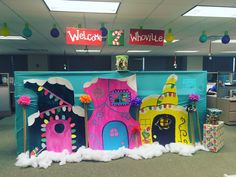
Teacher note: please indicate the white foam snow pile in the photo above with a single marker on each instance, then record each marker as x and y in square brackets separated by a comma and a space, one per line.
[184, 149]
[45, 159]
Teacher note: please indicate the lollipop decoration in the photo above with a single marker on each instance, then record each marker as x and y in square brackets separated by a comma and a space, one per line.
[24, 101]
[136, 102]
[86, 99]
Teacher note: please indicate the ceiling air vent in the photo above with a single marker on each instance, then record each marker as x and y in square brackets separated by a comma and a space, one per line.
[33, 50]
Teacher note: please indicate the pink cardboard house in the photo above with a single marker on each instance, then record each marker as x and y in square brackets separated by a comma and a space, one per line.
[111, 125]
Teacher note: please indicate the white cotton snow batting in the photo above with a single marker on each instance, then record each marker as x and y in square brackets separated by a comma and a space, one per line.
[23, 160]
[184, 149]
[74, 157]
[147, 151]
[44, 160]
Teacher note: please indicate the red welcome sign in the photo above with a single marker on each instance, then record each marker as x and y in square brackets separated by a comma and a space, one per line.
[83, 36]
[146, 37]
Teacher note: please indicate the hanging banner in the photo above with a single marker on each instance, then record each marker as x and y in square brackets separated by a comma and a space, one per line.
[83, 36]
[146, 37]
[116, 37]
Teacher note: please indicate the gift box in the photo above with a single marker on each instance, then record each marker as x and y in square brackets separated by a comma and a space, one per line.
[213, 136]
[213, 116]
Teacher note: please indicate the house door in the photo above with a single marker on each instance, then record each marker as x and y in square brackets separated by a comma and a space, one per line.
[115, 136]
[163, 129]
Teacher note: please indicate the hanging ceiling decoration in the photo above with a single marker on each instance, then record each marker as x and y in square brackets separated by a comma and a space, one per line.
[225, 39]
[104, 30]
[203, 38]
[27, 32]
[169, 36]
[5, 31]
[54, 31]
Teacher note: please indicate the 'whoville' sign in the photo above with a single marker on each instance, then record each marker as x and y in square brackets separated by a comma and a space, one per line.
[83, 36]
[146, 37]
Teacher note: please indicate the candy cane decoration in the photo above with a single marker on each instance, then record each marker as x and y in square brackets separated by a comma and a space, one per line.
[118, 33]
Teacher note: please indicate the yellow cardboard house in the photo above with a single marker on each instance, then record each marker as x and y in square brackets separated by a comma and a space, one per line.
[162, 119]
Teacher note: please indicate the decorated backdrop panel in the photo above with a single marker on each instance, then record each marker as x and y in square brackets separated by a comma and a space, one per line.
[110, 126]
[57, 124]
[148, 83]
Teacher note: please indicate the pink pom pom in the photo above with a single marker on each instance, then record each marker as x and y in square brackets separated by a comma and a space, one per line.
[24, 100]
[194, 97]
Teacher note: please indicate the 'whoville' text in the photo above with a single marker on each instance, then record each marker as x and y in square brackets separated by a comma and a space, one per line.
[147, 37]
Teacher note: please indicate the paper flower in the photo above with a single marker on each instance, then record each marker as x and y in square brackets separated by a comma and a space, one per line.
[85, 99]
[136, 102]
[24, 100]
[194, 97]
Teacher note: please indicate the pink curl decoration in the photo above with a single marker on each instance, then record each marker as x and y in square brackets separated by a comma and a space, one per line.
[24, 100]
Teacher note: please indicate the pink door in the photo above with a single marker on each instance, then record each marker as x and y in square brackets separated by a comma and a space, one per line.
[58, 136]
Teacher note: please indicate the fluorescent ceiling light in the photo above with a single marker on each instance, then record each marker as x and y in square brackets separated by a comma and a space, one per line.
[138, 51]
[89, 51]
[82, 6]
[228, 51]
[175, 40]
[12, 38]
[212, 11]
[219, 41]
[186, 51]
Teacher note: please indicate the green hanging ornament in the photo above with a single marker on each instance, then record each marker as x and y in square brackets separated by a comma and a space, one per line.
[27, 32]
[203, 38]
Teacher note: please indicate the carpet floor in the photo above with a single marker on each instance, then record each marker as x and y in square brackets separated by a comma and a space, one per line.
[201, 164]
